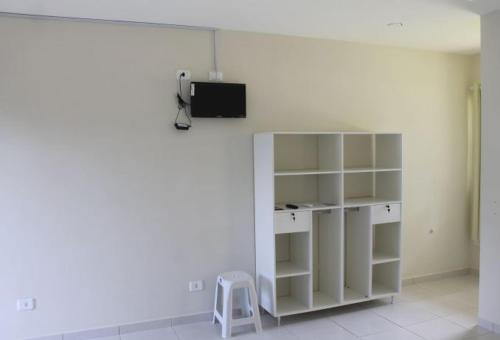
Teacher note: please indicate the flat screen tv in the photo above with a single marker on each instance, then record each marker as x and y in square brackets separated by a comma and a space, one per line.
[218, 100]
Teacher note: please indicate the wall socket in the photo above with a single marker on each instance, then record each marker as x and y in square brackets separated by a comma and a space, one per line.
[179, 74]
[195, 286]
[26, 304]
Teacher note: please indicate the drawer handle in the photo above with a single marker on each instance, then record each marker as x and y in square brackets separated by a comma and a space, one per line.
[388, 207]
[293, 217]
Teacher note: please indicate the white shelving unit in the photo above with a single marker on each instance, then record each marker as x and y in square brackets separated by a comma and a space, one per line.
[342, 244]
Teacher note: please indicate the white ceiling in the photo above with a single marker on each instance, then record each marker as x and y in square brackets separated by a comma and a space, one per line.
[443, 25]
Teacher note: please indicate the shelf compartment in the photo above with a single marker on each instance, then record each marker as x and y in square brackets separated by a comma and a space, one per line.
[372, 188]
[322, 300]
[388, 185]
[380, 290]
[294, 295]
[388, 150]
[358, 254]
[295, 152]
[327, 258]
[293, 254]
[385, 279]
[288, 269]
[386, 242]
[352, 295]
[288, 305]
[359, 150]
[320, 189]
[359, 185]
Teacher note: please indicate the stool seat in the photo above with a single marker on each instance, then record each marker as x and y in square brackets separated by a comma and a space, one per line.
[234, 277]
[232, 283]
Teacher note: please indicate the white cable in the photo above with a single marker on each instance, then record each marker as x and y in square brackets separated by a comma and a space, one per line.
[215, 51]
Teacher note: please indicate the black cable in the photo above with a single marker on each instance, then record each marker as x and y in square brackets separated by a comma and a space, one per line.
[181, 106]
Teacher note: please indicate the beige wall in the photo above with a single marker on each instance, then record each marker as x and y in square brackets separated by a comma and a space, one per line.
[476, 67]
[106, 211]
[476, 78]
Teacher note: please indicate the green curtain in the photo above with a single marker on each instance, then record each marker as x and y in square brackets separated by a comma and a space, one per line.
[474, 158]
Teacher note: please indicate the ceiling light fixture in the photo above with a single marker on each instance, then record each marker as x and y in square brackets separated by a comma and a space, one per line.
[395, 24]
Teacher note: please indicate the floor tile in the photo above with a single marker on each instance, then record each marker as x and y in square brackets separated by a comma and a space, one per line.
[490, 336]
[476, 330]
[439, 329]
[440, 307]
[363, 323]
[397, 334]
[280, 333]
[153, 334]
[319, 330]
[323, 314]
[467, 298]
[405, 314]
[464, 319]
[414, 293]
[446, 286]
[198, 331]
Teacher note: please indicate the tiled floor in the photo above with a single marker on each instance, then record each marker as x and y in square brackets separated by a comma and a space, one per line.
[444, 309]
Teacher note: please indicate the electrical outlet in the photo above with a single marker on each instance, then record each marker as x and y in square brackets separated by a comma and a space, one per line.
[183, 74]
[217, 76]
[195, 286]
[26, 304]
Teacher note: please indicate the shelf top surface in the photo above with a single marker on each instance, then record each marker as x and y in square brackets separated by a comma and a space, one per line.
[366, 201]
[316, 207]
[287, 269]
[305, 172]
[370, 169]
[328, 133]
[380, 258]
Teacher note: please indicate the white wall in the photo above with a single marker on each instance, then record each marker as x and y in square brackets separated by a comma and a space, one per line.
[106, 211]
[489, 292]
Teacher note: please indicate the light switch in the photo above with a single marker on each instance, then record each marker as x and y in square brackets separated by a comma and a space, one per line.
[26, 304]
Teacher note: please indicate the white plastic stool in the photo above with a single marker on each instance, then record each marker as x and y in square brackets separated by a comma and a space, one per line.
[243, 282]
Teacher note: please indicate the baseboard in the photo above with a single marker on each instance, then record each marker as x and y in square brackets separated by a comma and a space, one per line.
[474, 271]
[437, 276]
[488, 325]
[130, 328]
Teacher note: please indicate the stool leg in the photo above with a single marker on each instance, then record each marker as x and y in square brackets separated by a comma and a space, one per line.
[255, 308]
[246, 302]
[227, 313]
[214, 320]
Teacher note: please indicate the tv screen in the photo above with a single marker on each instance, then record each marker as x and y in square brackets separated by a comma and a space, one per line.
[223, 100]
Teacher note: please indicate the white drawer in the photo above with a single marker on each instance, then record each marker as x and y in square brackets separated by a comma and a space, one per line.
[386, 213]
[292, 222]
